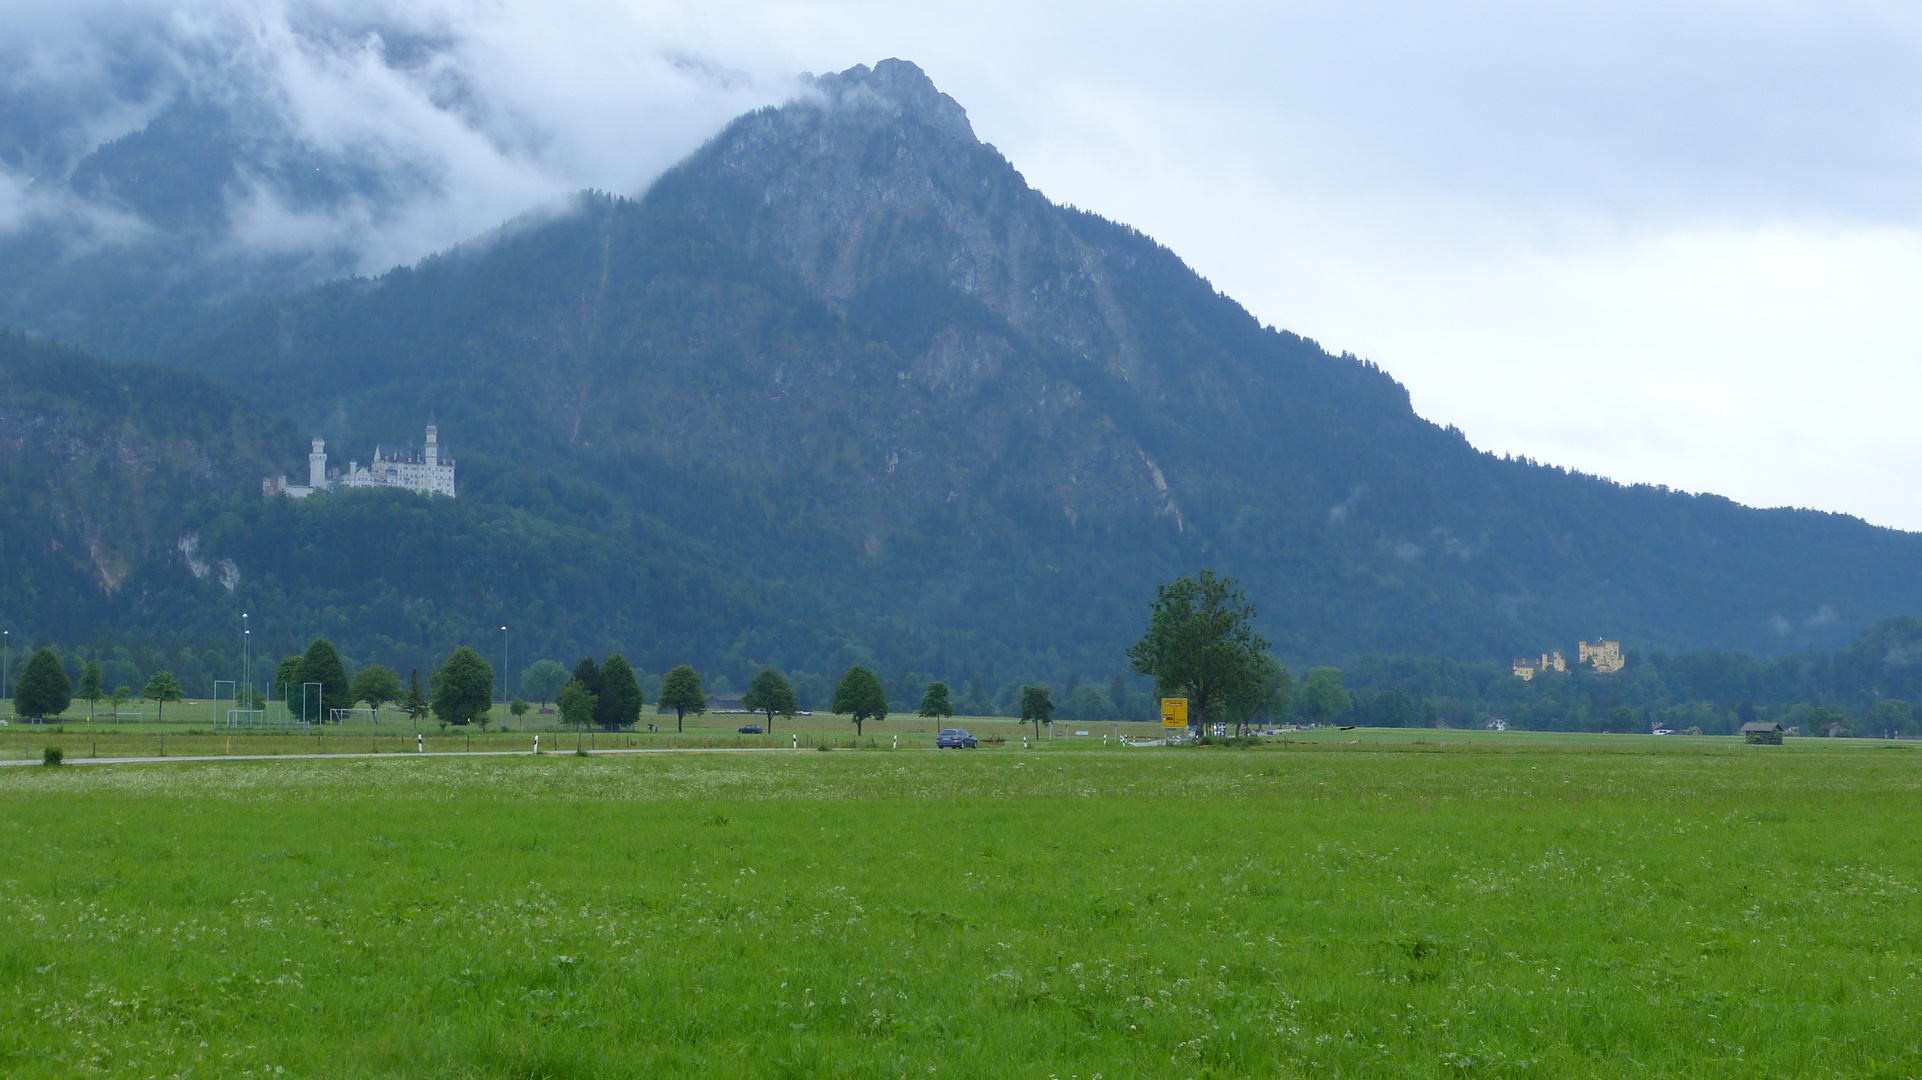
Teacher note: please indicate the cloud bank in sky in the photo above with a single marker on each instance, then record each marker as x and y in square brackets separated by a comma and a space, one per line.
[453, 116]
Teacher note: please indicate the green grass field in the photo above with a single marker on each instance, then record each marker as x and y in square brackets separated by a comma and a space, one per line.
[1352, 904]
[191, 732]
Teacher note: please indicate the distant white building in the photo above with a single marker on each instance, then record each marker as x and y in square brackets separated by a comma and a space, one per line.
[423, 470]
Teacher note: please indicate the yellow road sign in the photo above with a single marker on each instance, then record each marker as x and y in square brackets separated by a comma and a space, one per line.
[1174, 712]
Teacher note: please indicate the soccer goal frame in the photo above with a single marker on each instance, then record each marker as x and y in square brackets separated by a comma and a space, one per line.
[342, 716]
[313, 699]
[233, 697]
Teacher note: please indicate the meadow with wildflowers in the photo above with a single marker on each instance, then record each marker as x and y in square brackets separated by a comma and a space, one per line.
[1351, 904]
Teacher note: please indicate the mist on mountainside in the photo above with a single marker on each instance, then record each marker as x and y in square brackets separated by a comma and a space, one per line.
[163, 165]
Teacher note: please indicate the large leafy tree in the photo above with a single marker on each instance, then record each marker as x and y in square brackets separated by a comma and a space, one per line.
[43, 689]
[1201, 644]
[1890, 715]
[463, 688]
[161, 689]
[860, 697]
[1323, 698]
[287, 679]
[321, 664]
[1268, 696]
[576, 705]
[620, 700]
[542, 681]
[1037, 707]
[934, 701]
[681, 691]
[90, 691]
[770, 693]
[376, 684]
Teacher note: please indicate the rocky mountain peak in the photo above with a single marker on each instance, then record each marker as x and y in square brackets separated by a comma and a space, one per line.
[890, 89]
[874, 191]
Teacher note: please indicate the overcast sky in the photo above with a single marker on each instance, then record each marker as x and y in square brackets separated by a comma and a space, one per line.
[1666, 243]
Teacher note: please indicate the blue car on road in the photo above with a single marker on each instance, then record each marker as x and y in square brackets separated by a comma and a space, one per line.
[954, 738]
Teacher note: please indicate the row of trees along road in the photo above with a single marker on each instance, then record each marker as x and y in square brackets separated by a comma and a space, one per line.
[1201, 644]
[459, 692]
[44, 690]
[610, 696]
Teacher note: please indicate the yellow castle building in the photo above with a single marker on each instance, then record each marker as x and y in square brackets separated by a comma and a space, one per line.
[1605, 655]
[1527, 666]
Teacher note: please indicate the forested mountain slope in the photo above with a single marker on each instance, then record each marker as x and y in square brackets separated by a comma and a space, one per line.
[846, 348]
[135, 520]
[106, 467]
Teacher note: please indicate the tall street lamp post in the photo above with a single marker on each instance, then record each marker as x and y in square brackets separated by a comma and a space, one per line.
[503, 665]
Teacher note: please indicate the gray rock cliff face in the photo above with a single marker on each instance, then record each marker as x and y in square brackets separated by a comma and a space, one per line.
[875, 194]
[879, 177]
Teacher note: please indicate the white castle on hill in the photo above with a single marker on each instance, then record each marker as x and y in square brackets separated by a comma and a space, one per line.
[425, 471]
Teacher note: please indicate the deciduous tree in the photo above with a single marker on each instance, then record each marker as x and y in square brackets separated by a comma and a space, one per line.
[321, 664]
[376, 685]
[287, 678]
[1890, 715]
[576, 704]
[861, 697]
[1323, 699]
[1037, 707]
[681, 691]
[618, 705]
[90, 691]
[542, 681]
[161, 689]
[934, 701]
[1201, 644]
[1267, 696]
[463, 688]
[770, 694]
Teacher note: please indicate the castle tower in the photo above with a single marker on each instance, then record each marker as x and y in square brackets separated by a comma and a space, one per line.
[433, 445]
[317, 466]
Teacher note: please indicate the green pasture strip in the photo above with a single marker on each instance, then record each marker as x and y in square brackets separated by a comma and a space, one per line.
[78, 742]
[24, 742]
[1351, 905]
